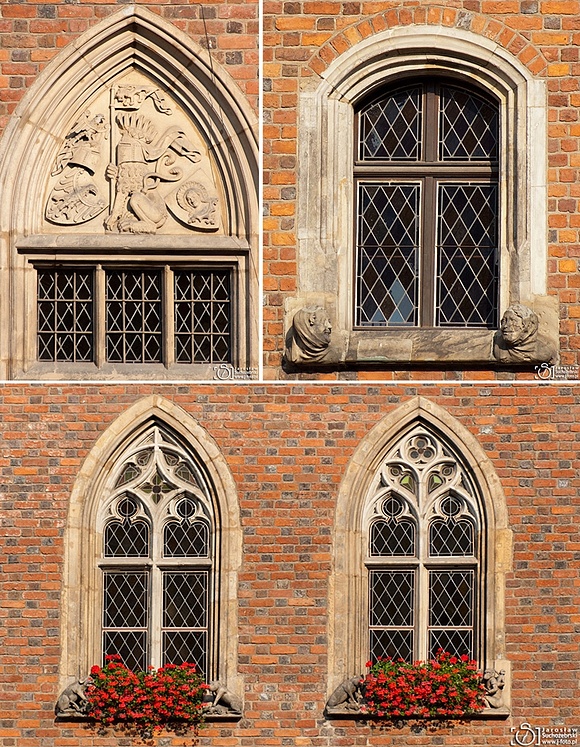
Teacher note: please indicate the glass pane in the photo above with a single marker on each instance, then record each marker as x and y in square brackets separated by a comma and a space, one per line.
[185, 540]
[467, 236]
[65, 315]
[133, 317]
[203, 316]
[131, 646]
[468, 127]
[392, 538]
[125, 599]
[448, 538]
[457, 642]
[391, 598]
[451, 598]
[185, 599]
[127, 540]
[387, 254]
[391, 644]
[188, 646]
[390, 129]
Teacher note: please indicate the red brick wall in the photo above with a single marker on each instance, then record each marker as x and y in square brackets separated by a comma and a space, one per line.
[302, 38]
[287, 447]
[32, 33]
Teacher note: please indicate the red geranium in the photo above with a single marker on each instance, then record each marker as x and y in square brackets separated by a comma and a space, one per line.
[145, 702]
[446, 687]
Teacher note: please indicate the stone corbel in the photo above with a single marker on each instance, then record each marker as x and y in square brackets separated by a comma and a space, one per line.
[525, 336]
[73, 701]
[310, 339]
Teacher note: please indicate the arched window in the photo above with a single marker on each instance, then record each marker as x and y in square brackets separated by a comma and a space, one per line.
[424, 530]
[421, 547]
[157, 558]
[153, 549]
[426, 182]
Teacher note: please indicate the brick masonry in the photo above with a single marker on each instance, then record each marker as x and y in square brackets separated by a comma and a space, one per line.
[302, 38]
[288, 446]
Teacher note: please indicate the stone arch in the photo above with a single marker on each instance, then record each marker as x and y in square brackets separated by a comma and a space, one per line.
[347, 647]
[133, 38]
[79, 601]
[416, 42]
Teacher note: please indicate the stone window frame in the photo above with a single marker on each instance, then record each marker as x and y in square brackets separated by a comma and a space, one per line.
[82, 589]
[349, 585]
[325, 157]
[131, 38]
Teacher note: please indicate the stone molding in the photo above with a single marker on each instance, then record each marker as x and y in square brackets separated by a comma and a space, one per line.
[326, 229]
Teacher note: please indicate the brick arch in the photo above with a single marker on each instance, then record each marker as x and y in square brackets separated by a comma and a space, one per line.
[431, 15]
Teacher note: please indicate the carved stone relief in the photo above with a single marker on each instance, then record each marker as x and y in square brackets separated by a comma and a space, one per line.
[518, 339]
[135, 155]
[73, 700]
[310, 335]
[223, 702]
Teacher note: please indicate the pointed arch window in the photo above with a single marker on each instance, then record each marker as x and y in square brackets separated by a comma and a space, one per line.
[424, 532]
[157, 564]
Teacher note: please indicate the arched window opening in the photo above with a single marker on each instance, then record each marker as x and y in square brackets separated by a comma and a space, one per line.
[157, 561]
[426, 178]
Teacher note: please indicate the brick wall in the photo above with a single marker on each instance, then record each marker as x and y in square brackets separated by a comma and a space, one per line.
[32, 33]
[302, 38]
[288, 447]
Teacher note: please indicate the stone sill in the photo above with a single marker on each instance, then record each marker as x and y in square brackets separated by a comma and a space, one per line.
[485, 714]
[211, 372]
[210, 718]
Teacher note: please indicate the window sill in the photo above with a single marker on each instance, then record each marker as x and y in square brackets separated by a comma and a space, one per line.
[210, 718]
[136, 372]
[352, 715]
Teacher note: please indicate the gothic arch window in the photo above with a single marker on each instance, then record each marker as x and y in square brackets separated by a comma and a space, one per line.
[132, 227]
[424, 533]
[438, 217]
[153, 549]
[421, 547]
[158, 558]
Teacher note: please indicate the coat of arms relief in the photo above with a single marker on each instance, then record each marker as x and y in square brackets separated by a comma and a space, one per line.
[134, 163]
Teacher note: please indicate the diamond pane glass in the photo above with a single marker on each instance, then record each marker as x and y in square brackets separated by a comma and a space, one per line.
[185, 599]
[125, 599]
[130, 645]
[451, 598]
[65, 315]
[203, 316]
[391, 644]
[467, 279]
[468, 127]
[391, 598]
[127, 539]
[387, 254]
[186, 540]
[390, 129]
[451, 538]
[455, 642]
[392, 538]
[188, 646]
[133, 317]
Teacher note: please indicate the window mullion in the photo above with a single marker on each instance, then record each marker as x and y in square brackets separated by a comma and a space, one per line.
[427, 259]
[156, 603]
[168, 317]
[100, 316]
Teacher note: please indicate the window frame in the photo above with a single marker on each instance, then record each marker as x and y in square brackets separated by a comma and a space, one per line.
[325, 157]
[429, 171]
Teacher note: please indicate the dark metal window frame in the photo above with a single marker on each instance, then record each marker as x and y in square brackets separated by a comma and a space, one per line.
[169, 352]
[429, 172]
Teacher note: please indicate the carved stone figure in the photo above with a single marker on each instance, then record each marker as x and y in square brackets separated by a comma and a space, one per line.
[494, 683]
[76, 197]
[311, 333]
[347, 694]
[518, 341]
[224, 701]
[73, 700]
[143, 157]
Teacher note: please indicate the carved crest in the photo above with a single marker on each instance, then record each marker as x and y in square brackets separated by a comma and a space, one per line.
[143, 161]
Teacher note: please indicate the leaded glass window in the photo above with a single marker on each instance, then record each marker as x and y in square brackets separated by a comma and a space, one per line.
[163, 315]
[424, 533]
[427, 202]
[157, 560]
